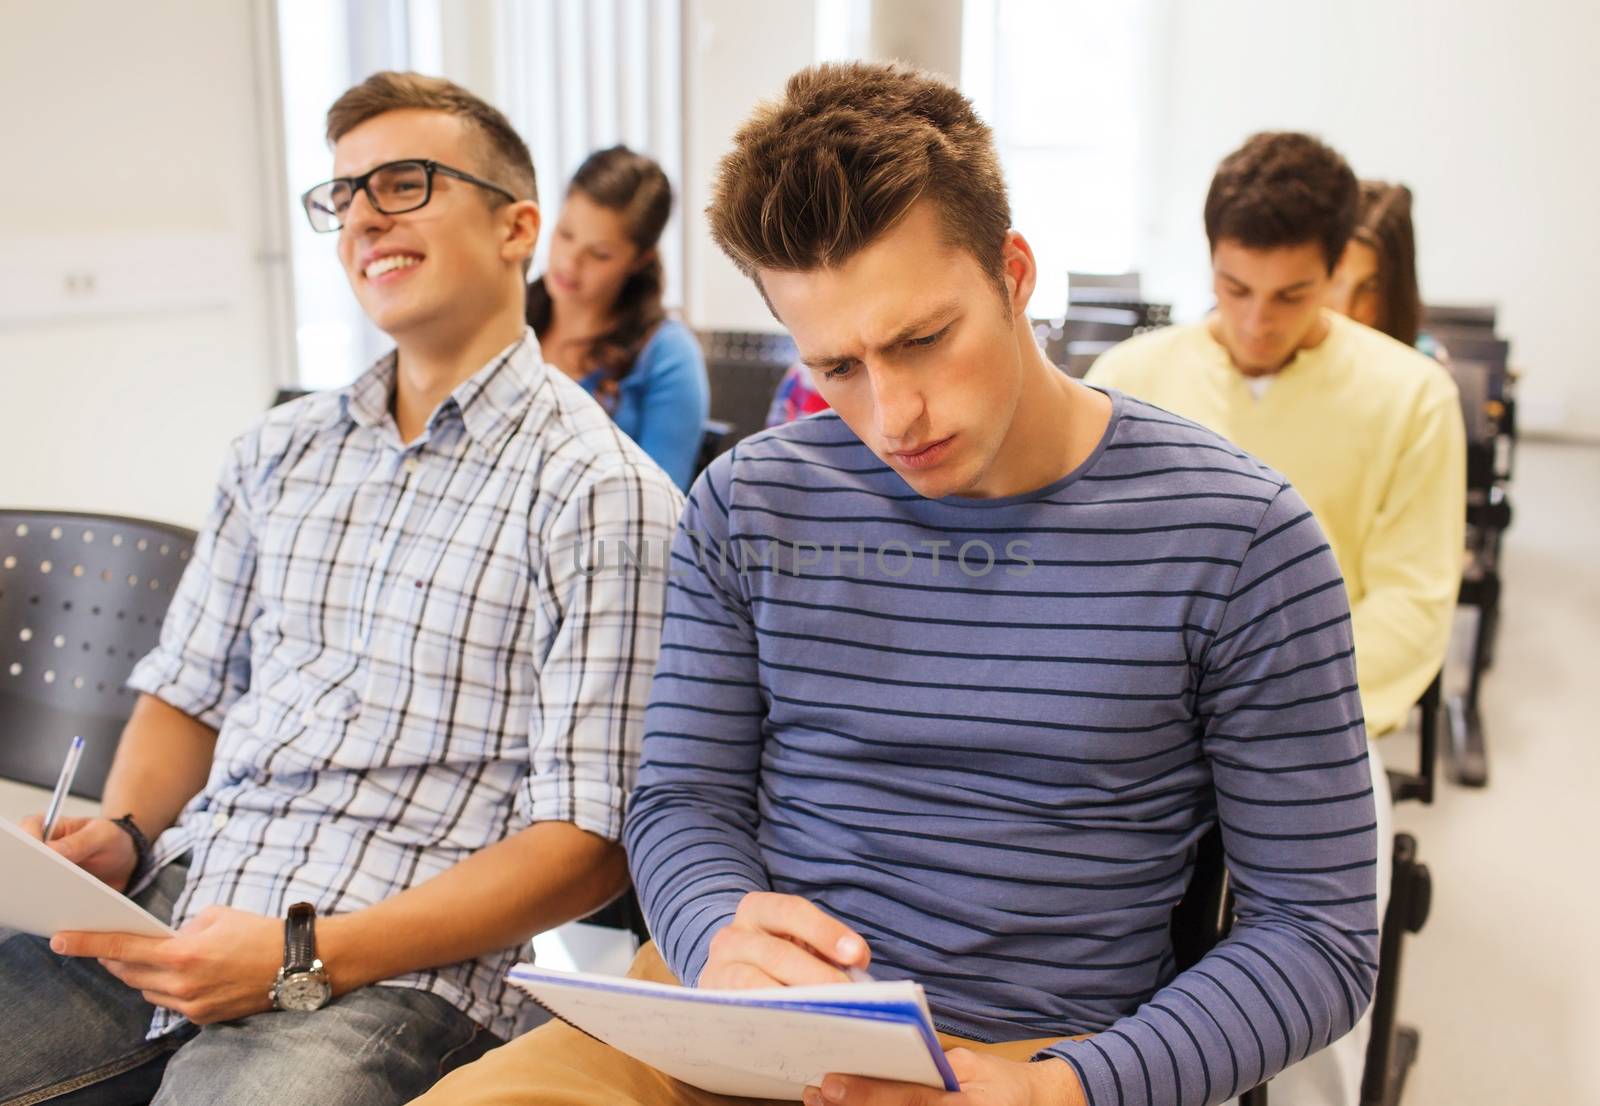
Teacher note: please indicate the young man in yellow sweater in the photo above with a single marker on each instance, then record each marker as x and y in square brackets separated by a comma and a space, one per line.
[1368, 430]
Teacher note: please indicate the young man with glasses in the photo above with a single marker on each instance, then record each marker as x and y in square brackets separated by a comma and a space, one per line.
[956, 676]
[389, 727]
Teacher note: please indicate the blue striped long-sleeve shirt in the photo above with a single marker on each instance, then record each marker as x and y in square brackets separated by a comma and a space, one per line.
[988, 735]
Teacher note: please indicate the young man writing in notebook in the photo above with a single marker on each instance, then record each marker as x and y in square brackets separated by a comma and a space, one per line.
[955, 677]
[1367, 429]
[385, 687]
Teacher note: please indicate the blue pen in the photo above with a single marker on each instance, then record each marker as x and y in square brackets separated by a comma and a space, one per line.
[63, 785]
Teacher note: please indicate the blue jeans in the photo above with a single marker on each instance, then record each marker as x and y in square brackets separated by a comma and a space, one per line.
[71, 1034]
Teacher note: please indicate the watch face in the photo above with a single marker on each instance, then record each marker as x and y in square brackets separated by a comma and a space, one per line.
[303, 991]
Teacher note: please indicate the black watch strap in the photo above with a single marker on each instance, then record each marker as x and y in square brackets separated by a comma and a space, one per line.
[299, 938]
[141, 848]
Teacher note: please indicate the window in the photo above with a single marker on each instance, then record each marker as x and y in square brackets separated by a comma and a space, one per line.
[576, 76]
[1064, 84]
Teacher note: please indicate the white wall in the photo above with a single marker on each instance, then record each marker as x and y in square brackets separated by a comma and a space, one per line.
[1486, 110]
[132, 228]
[736, 53]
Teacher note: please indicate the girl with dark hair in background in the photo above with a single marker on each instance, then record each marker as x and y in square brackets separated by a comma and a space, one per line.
[597, 309]
[1376, 280]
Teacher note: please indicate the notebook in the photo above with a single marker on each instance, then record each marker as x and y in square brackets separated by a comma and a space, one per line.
[48, 894]
[766, 1043]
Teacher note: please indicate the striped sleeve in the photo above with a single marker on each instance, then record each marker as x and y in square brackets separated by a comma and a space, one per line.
[691, 830]
[1284, 736]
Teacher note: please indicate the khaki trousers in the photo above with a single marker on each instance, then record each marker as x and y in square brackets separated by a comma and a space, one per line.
[555, 1065]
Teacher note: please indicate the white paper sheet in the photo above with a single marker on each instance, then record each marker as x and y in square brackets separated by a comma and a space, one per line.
[760, 1044]
[42, 892]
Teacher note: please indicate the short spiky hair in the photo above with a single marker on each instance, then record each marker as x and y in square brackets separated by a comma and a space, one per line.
[1282, 188]
[506, 158]
[836, 161]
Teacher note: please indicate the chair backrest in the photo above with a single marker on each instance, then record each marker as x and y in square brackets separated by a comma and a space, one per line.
[1420, 784]
[744, 369]
[1081, 357]
[1203, 917]
[714, 441]
[1476, 315]
[1099, 324]
[82, 597]
[1150, 315]
[1126, 283]
[1205, 913]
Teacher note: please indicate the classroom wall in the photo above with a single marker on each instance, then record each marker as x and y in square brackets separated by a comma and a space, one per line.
[1483, 109]
[735, 54]
[137, 279]
[1486, 110]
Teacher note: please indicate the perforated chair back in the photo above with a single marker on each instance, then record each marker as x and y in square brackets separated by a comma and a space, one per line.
[82, 597]
[744, 369]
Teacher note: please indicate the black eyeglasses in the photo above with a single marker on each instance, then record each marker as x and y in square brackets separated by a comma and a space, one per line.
[392, 188]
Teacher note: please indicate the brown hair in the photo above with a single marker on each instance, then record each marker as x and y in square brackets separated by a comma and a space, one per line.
[636, 187]
[506, 160]
[1385, 225]
[818, 174]
[1282, 188]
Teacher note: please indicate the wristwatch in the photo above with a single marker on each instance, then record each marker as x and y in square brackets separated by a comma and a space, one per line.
[302, 981]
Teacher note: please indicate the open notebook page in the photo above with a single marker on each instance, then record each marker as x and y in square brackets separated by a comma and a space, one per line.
[768, 1043]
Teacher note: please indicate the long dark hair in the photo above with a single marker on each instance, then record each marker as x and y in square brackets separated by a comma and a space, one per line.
[635, 186]
[1385, 225]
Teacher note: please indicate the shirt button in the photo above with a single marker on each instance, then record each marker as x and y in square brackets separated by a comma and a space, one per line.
[219, 820]
[412, 464]
[308, 716]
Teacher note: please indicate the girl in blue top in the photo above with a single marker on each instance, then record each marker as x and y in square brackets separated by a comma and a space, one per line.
[597, 309]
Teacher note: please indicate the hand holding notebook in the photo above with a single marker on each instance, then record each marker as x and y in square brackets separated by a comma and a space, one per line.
[764, 1043]
[47, 894]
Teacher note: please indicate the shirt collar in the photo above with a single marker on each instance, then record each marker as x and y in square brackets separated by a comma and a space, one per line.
[490, 403]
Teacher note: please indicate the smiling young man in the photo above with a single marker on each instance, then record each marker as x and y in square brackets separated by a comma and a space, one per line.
[1367, 429]
[1024, 643]
[389, 727]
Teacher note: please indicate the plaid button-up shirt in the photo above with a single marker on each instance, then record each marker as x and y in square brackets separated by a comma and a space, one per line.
[407, 650]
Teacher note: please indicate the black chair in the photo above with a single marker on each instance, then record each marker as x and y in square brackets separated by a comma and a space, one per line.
[1125, 283]
[82, 597]
[1081, 357]
[1479, 316]
[1099, 324]
[715, 440]
[1419, 785]
[1479, 363]
[1150, 315]
[1392, 1048]
[1205, 915]
[623, 912]
[744, 369]
[1203, 918]
[1071, 342]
